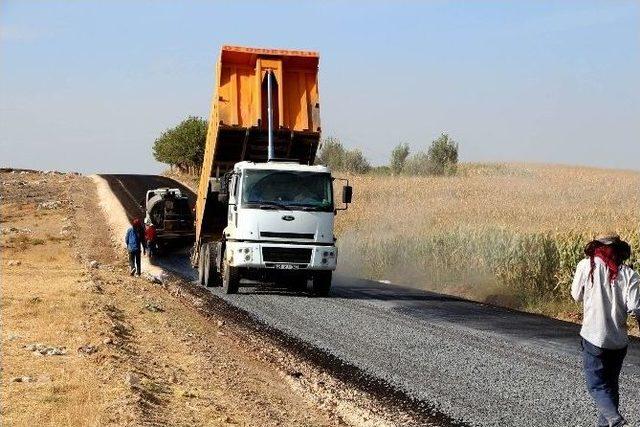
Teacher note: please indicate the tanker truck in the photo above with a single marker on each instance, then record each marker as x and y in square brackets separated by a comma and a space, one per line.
[169, 212]
[264, 211]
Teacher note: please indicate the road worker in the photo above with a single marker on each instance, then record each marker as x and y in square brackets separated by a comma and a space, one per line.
[609, 291]
[150, 235]
[134, 239]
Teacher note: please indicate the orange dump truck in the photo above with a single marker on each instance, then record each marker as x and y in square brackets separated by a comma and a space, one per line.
[264, 211]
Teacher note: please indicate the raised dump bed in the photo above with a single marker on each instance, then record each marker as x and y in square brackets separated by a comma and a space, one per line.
[238, 124]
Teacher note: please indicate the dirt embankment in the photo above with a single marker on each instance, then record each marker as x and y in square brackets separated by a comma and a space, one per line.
[85, 344]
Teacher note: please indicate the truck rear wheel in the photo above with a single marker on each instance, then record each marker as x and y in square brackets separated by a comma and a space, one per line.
[230, 278]
[322, 283]
[201, 269]
[211, 276]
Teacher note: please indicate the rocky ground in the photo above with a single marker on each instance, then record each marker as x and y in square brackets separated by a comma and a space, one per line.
[85, 344]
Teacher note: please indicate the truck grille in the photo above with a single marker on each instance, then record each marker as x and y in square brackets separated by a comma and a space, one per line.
[286, 235]
[292, 255]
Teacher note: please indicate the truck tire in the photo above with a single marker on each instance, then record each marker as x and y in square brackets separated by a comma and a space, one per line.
[322, 283]
[230, 279]
[201, 269]
[298, 283]
[211, 276]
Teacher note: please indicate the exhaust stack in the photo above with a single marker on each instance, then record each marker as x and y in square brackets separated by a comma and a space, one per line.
[271, 151]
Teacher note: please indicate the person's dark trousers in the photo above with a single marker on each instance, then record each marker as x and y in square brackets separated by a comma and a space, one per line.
[151, 248]
[602, 371]
[134, 262]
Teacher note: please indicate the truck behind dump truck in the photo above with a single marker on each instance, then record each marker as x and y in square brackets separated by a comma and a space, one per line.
[168, 210]
[264, 212]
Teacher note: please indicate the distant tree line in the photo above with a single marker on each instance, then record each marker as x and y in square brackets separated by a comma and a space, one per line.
[183, 147]
[440, 158]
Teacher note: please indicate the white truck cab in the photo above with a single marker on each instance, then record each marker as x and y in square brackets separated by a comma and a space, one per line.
[281, 216]
[279, 225]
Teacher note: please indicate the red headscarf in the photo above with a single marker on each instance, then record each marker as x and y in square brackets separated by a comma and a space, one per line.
[607, 254]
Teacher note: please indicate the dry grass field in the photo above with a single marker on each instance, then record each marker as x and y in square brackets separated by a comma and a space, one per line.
[504, 233]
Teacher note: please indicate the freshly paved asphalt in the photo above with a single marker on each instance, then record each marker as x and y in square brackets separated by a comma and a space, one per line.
[476, 363]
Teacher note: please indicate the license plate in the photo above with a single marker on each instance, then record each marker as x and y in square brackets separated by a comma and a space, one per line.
[286, 266]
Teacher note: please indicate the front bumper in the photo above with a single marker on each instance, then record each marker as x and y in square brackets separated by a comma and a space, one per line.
[281, 256]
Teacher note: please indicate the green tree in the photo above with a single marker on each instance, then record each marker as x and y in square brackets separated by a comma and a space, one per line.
[331, 154]
[443, 155]
[399, 158]
[418, 164]
[441, 158]
[355, 162]
[183, 145]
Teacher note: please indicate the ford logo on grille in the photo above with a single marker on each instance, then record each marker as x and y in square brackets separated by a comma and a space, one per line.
[288, 218]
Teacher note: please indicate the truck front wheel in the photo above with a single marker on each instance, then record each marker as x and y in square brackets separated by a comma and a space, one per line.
[230, 278]
[322, 283]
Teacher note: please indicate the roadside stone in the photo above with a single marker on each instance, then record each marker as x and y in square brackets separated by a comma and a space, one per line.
[55, 204]
[14, 262]
[39, 349]
[93, 287]
[133, 380]
[13, 337]
[14, 230]
[154, 307]
[107, 341]
[188, 393]
[220, 323]
[94, 264]
[87, 349]
[25, 379]
[154, 279]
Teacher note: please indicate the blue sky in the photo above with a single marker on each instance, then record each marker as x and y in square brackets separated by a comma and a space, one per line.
[89, 86]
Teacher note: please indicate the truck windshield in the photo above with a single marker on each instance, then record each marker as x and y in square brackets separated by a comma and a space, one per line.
[275, 189]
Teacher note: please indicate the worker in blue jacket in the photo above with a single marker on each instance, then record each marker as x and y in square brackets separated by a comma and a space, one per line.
[134, 239]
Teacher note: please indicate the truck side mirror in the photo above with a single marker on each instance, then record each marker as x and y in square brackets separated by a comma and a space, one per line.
[347, 194]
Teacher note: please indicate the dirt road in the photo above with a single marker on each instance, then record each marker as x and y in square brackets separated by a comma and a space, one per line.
[462, 360]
